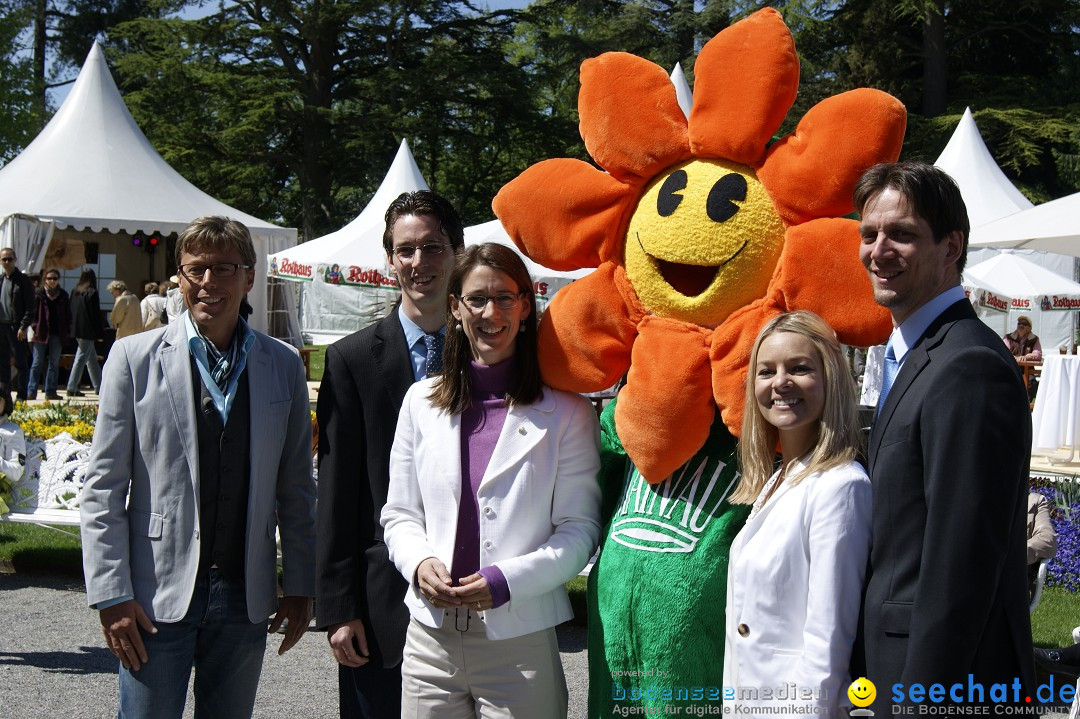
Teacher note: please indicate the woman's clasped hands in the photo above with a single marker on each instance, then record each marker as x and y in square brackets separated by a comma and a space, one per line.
[437, 587]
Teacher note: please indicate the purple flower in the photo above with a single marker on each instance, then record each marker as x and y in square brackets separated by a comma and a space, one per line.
[1064, 495]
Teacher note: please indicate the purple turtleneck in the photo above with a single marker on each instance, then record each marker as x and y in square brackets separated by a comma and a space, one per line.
[481, 425]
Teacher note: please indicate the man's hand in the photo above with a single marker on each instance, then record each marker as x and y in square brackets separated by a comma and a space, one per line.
[21, 334]
[348, 640]
[434, 583]
[298, 611]
[120, 624]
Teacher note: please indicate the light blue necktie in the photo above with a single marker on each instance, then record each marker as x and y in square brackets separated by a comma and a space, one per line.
[891, 368]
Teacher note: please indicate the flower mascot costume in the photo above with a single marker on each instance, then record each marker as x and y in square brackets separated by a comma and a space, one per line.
[701, 230]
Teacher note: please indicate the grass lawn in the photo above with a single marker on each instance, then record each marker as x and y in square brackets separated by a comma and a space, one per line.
[1055, 617]
[30, 548]
[317, 361]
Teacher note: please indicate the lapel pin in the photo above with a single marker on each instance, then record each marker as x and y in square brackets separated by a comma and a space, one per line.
[521, 431]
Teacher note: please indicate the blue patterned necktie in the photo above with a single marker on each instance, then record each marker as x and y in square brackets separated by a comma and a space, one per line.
[434, 344]
[889, 375]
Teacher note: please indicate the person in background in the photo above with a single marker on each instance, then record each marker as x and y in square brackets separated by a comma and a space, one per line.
[201, 452]
[17, 307]
[493, 505]
[1022, 342]
[88, 331]
[51, 327]
[809, 530]
[1042, 539]
[152, 306]
[174, 301]
[1025, 346]
[126, 315]
[360, 600]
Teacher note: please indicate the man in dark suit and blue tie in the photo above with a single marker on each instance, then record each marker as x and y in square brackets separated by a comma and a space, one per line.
[945, 601]
[360, 596]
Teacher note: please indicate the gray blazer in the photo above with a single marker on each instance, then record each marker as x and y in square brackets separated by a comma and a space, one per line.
[140, 507]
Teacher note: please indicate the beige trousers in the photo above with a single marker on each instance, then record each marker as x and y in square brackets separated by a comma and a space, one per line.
[456, 672]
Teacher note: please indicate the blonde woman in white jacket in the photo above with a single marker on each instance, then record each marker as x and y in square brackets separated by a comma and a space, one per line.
[796, 568]
[493, 505]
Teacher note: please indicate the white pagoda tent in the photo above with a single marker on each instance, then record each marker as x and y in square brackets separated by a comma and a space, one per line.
[990, 196]
[91, 173]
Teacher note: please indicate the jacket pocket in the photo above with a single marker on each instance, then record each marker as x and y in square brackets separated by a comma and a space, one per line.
[896, 618]
[146, 524]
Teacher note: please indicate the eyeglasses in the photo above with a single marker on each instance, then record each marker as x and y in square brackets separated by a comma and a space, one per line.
[406, 252]
[53, 278]
[7, 259]
[195, 273]
[504, 301]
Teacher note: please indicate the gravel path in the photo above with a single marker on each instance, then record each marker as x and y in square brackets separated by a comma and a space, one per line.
[53, 661]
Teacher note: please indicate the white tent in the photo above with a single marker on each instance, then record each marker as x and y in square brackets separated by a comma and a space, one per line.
[683, 93]
[990, 196]
[1030, 286]
[92, 168]
[1052, 226]
[987, 193]
[347, 280]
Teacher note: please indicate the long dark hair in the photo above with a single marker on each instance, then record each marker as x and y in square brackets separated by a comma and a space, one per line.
[451, 390]
[87, 281]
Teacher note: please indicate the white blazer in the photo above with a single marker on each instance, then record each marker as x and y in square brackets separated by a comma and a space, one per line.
[794, 589]
[539, 504]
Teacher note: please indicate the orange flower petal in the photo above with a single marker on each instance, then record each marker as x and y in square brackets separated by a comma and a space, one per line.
[630, 118]
[729, 354]
[585, 335]
[746, 79]
[665, 410]
[565, 214]
[812, 172]
[838, 288]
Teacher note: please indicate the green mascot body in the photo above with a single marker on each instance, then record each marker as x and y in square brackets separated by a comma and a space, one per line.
[659, 643]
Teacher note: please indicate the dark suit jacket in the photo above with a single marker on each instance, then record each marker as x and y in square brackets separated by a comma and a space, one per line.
[364, 383]
[946, 589]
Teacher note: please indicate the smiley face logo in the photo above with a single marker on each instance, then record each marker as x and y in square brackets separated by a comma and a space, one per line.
[862, 692]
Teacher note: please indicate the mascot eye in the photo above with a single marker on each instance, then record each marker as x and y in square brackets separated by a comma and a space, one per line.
[719, 205]
[667, 201]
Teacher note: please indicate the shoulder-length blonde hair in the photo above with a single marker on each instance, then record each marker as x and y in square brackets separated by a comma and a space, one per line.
[838, 439]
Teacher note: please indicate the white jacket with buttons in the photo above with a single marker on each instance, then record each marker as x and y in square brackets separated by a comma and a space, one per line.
[794, 589]
[539, 504]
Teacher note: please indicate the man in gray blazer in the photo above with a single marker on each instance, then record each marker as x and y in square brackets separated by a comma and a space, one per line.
[202, 453]
[361, 595]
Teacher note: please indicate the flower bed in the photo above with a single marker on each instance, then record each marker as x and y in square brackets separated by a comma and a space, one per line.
[1064, 495]
[57, 449]
[48, 420]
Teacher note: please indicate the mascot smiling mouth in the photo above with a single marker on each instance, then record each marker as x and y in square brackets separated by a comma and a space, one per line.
[687, 280]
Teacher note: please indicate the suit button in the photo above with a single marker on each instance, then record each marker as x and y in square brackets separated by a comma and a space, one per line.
[744, 631]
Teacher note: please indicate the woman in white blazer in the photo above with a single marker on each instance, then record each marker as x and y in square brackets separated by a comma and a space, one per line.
[796, 568]
[493, 505]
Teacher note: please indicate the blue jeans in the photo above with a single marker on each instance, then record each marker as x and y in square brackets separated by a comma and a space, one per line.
[216, 638]
[53, 347]
[85, 356]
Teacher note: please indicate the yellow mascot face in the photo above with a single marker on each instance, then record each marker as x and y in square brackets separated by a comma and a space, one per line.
[704, 237]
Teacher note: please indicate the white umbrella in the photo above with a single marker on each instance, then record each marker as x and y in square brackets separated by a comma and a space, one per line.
[1029, 285]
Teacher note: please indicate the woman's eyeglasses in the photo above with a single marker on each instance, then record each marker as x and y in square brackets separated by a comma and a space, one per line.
[504, 301]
